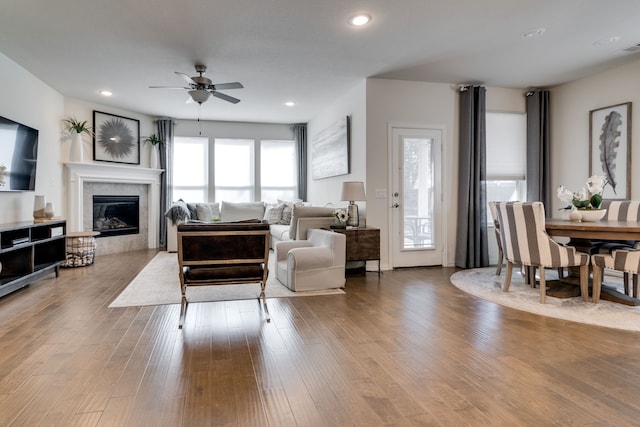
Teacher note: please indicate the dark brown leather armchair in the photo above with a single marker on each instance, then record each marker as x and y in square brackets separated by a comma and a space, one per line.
[222, 254]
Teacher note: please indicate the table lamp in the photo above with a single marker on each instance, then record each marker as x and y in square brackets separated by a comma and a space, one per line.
[353, 191]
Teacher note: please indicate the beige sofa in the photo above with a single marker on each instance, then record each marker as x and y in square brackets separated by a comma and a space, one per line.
[291, 224]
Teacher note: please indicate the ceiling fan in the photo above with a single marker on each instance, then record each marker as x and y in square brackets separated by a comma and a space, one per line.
[201, 88]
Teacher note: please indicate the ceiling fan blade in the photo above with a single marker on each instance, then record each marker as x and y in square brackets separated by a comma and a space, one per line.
[186, 78]
[225, 97]
[226, 86]
[169, 87]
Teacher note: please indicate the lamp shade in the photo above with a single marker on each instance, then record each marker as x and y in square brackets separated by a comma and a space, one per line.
[199, 95]
[352, 191]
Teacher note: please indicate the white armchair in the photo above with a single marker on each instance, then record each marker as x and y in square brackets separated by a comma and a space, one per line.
[312, 264]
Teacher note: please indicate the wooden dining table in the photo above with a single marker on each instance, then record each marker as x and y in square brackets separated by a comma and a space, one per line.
[583, 234]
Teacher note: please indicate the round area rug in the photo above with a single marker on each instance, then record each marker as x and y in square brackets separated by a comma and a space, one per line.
[483, 283]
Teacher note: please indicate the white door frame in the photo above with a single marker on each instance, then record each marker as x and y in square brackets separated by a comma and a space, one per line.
[443, 183]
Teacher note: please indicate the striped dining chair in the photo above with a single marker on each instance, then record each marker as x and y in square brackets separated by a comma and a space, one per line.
[624, 260]
[525, 241]
[496, 227]
[620, 210]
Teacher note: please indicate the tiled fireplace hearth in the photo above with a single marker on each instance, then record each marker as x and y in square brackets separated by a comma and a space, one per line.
[85, 180]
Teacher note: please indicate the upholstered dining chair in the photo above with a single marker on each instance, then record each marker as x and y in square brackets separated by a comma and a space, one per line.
[496, 227]
[626, 261]
[525, 241]
[621, 210]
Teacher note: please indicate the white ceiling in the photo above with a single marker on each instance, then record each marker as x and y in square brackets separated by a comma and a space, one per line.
[304, 50]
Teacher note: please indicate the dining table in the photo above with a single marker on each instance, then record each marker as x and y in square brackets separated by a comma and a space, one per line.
[582, 236]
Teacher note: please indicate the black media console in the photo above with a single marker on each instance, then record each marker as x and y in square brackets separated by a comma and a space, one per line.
[30, 251]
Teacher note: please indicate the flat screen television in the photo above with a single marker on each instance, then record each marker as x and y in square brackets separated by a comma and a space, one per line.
[18, 156]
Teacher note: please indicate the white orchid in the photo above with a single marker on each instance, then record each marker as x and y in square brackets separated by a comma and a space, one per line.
[596, 184]
[590, 197]
[565, 195]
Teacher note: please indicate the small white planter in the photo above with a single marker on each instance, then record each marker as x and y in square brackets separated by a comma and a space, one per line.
[75, 154]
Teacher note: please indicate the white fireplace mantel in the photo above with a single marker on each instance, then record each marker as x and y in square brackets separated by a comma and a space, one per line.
[79, 173]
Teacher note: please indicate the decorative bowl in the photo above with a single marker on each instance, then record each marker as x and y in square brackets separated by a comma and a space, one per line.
[592, 215]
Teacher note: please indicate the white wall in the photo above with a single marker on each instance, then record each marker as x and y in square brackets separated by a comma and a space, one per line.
[328, 190]
[404, 103]
[83, 110]
[570, 106]
[28, 100]
[430, 105]
[216, 129]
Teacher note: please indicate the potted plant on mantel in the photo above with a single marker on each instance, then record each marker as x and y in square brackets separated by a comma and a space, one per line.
[155, 141]
[76, 128]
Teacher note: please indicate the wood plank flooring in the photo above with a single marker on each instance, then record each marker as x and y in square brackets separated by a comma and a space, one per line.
[406, 349]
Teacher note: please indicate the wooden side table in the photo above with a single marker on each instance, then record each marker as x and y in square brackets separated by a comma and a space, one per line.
[363, 244]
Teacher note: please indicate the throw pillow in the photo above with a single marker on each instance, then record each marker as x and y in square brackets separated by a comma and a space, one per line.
[193, 211]
[287, 212]
[273, 213]
[230, 211]
[208, 211]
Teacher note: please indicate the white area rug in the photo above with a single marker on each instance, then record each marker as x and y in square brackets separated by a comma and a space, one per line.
[483, 283]
[158, 284]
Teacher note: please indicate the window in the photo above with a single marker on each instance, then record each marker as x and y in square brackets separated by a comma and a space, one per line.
[244, 170]
[234, 170]
[506, 157]
[506, 162]
[190, 169]
[278, 171]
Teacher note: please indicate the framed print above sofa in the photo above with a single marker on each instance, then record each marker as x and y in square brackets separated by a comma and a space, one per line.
[330, 150]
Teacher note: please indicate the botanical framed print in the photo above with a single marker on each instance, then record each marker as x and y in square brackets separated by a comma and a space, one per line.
[610, 148]
[116, 138]
[330, 150]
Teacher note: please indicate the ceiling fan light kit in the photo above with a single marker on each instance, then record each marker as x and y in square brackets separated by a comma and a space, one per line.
[201, 88]
[199, 95]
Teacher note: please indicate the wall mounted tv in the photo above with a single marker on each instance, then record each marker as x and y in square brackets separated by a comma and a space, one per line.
[18, 156]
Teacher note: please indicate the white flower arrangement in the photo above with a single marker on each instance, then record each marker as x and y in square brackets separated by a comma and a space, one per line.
[341, 215]
[590, 197]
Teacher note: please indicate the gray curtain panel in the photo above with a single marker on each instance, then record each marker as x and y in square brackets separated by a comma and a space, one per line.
[472, 249]
[165, 132]
[539, 148]
[300, 138]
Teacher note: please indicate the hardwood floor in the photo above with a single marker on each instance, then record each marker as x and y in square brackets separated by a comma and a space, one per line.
[407, 349]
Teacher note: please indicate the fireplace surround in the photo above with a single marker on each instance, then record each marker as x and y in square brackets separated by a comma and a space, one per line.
[82, 175]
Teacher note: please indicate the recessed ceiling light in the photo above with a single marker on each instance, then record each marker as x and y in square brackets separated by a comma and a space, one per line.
[536, 32]
[360, 19]
[606, 41]
[290, 104]
[106, 93]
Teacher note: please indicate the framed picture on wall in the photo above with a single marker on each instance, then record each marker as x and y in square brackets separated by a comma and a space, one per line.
[610, 148]
[116, 138]
[330, 150]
